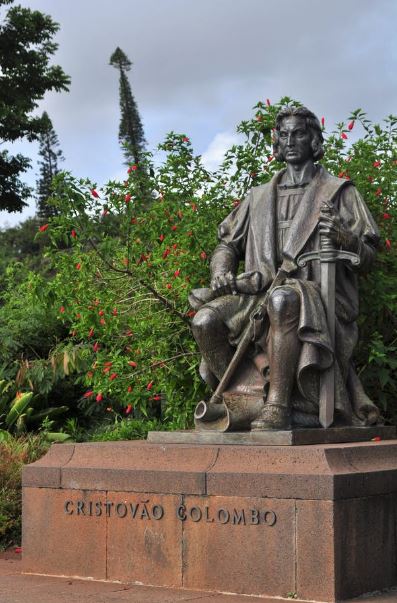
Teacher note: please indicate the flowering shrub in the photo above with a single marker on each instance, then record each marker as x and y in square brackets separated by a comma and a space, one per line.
[126, 256]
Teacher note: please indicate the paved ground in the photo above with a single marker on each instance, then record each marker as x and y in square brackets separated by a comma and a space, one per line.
[20, 588]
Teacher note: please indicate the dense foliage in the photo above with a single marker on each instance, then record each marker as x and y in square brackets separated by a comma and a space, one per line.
[111, 302]
[26, 47]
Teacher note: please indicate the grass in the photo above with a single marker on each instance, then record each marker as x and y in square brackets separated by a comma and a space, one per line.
[14, 454]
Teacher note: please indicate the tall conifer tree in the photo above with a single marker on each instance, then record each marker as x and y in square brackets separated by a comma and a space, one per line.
[131, 134]
[51, 154]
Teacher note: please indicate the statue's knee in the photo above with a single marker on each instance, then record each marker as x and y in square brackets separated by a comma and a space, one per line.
[204, 321]
[284, 304]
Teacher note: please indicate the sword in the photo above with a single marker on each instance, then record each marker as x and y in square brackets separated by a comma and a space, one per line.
[328, 256]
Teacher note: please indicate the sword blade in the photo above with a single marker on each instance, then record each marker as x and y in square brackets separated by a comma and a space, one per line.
[327, 381]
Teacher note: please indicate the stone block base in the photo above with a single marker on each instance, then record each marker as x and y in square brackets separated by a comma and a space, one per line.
[318, 520]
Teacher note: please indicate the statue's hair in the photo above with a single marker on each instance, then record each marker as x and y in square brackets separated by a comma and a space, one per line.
[312, 123]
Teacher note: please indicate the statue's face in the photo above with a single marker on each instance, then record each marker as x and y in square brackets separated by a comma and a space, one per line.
[295, 140]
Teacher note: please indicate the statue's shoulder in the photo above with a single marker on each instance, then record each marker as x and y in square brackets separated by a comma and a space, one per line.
[263, 191]
[334, 182]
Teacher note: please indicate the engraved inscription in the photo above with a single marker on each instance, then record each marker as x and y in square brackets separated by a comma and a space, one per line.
[146, 511]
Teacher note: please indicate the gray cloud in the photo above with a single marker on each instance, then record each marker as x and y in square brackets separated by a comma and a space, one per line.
[200, 66]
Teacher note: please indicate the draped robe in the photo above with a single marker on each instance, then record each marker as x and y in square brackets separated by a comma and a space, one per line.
[251, 234]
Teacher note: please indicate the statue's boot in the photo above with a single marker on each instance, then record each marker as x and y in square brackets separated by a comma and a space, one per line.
[284, 348]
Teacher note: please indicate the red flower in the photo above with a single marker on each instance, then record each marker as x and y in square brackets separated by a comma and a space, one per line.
[128, 409]
[114, 312]
[134, 167]
[378, 192]
[99, 397]
[73, 233]
[268, 102]
[177, 273]
[43, 228]
[101, 312]
[386, 216]
[344, 136]
[149, 386]
[203, 255]
[94, 193]
[109, 363]
[174, 246]
[323, 121]
[102, 321]
[127, 198]
[376, 164]
[351, 125]
[91, 332]
[388, 244]
[129, 389]
[90, 375]
[341, 174]
[62, 309]
[185, 139]
[96, 347]
[376, 439]
[168, 285]
[236, 202]
[191, 313]
[173, 227]
[113, 376]
[78, 266]
[18, 550]
[161, 238]
[132, 363]
[157, 397]
[88, 394]
[166, 252]
[78, 315]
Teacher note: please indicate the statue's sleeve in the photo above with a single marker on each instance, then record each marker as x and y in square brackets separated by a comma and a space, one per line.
[232, 235]
[357, 219]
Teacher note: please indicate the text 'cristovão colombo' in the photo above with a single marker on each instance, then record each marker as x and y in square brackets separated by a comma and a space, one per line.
[146, 511]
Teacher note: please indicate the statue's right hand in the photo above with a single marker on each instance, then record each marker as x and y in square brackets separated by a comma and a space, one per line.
[224, 284]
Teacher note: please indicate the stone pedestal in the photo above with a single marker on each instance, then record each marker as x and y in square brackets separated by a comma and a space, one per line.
[316, 520]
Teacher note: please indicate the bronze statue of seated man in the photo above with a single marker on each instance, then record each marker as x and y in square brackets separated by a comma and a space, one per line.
[292, 347]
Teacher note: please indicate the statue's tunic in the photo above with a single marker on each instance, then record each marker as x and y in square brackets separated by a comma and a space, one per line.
[273, 226]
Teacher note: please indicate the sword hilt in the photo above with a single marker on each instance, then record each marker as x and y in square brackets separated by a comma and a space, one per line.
[328, 254]
[326, 243]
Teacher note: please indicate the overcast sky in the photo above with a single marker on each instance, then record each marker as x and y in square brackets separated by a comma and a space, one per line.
[200, 66]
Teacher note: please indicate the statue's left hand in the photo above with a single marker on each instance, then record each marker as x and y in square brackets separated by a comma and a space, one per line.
[330, 225]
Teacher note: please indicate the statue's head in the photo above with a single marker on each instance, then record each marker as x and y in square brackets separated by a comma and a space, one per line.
[299, 116]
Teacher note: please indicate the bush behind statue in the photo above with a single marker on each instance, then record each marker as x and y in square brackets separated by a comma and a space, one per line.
[124, 258]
